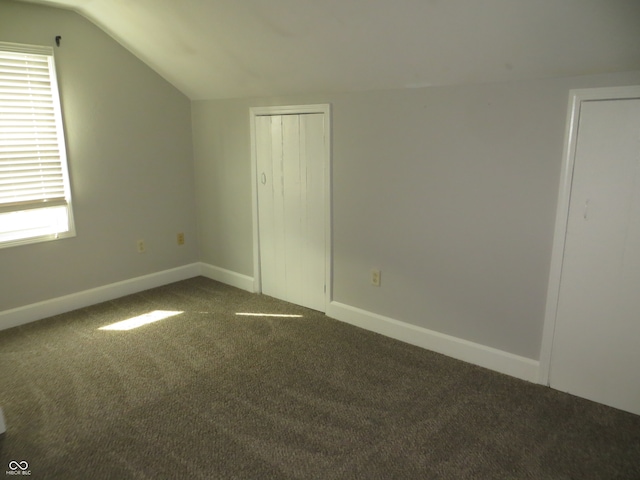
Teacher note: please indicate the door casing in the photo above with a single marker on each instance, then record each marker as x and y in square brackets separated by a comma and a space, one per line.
[576, 97]
[324, 109]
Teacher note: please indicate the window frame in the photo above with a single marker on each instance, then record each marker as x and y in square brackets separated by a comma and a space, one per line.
[26, 239]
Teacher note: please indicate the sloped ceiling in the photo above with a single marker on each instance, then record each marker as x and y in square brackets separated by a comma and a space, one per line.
[213, 49]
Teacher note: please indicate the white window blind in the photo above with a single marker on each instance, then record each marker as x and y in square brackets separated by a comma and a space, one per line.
[34, 188]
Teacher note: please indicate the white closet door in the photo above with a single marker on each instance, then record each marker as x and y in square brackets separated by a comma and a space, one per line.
[596, 348]
[291, 216]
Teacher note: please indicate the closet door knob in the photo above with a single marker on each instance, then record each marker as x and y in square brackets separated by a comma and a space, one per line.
[586, 209]
[263, 179]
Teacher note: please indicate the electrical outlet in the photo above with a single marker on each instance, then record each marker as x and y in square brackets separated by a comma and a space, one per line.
[180, 238]
[375, 277]
[141, 246]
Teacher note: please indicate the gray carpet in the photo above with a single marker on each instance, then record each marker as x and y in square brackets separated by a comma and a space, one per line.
[211, 395]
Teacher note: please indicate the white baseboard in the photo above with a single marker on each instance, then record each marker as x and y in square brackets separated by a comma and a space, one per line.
[477, 354]
[55, 306]
[243, 282]
[491, 358]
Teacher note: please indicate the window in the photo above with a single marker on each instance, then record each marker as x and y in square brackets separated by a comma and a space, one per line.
[35, 198]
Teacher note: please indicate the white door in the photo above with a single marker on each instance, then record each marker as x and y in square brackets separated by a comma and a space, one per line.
[290, 164]
[596, 345]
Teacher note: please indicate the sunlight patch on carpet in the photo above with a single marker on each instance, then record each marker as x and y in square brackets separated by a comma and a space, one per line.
[141, 320]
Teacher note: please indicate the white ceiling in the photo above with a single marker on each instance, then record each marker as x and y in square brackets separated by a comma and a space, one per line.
[239, 48]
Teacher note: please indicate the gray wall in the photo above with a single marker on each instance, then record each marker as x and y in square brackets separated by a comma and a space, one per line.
[451, 191]
[130, 153]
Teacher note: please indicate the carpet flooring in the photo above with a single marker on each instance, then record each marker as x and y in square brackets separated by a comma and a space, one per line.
[209, 394]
